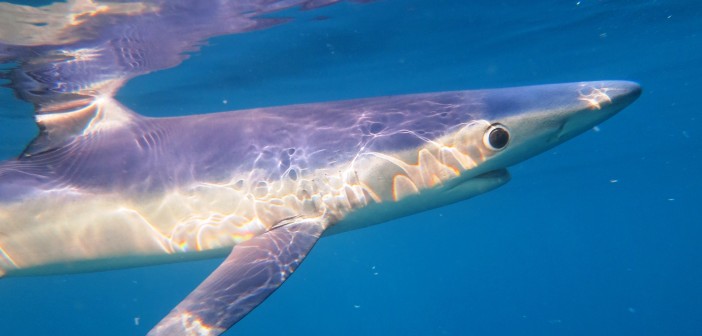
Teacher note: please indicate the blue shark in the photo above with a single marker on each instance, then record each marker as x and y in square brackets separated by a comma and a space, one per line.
[102, 187]
[263, 185]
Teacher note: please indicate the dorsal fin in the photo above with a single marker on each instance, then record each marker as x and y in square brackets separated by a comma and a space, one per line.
[69, 107]
[60, 123]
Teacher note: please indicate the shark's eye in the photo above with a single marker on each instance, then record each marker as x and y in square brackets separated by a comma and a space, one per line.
[496, 137]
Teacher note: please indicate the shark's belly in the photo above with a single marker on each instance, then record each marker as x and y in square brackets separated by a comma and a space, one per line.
[61, 231]
[71, 230]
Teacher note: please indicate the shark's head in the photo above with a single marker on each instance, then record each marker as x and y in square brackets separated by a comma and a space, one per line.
[515, 124]
[455, 145]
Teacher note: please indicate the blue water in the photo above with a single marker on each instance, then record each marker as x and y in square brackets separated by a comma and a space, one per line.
[600, 236]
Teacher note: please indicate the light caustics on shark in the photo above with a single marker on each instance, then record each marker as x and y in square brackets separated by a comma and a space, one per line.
[102, 187]
[240, 193]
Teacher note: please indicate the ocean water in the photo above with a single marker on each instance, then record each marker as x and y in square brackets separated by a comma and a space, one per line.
[599, 236]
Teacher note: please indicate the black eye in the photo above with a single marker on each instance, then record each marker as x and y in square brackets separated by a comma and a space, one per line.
[496, 137]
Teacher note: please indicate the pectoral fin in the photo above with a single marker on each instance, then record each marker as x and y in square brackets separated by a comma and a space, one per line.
[253, 270]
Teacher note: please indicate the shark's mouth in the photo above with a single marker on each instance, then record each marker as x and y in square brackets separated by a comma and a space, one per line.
[497, 173]
[469, 187]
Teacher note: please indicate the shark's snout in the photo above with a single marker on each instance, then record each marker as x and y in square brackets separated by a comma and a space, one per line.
[620, 93]
[599, 101]
[542, 117]
[609, 96]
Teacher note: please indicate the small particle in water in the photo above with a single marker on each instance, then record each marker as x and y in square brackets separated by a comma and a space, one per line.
[375, 273]
[357, 306]
[613, 181]
[577, 3]
[372, 267]
[671, 199]
[684, 133]
[136, 320]
[554, 321]
[631, 310]
[669, 16]
[603, 35]
[225, 102]
[596, 129]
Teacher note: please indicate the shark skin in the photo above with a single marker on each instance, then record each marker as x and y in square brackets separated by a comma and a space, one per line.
[102, 187]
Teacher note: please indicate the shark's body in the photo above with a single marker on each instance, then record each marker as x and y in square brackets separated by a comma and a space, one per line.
[150, 190]
[127, 190]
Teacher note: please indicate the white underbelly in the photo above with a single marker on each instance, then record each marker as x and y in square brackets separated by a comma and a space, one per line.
[68, 231]
[65, 231]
